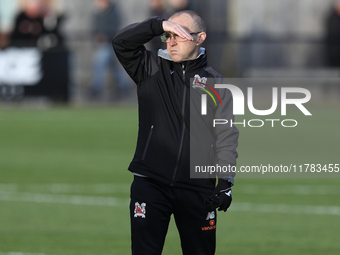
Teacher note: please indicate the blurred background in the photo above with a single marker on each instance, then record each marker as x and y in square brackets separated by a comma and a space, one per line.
[246, 38]
[69, 122]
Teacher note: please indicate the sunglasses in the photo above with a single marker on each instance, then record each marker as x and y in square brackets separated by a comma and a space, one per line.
[166, 37]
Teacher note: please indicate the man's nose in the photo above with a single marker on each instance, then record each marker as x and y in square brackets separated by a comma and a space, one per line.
[172, 41]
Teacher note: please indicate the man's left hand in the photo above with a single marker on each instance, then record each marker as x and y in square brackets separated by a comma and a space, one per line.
[221, 197]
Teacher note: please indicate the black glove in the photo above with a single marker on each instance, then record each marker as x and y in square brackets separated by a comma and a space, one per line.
[221, 197]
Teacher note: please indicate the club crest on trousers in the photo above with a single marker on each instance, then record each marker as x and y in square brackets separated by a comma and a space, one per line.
[140, 210]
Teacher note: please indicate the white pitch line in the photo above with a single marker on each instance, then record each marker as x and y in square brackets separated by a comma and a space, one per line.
[113, 202]
[62, 199]
[100, 188]
[107, 188]
[20, 253]
[286, 209]
[28, 253]
[289, 189]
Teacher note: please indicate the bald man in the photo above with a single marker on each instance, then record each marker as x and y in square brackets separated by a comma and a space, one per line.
[162, 184]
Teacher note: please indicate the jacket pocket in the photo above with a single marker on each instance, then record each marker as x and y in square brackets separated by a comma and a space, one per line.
[147, 142]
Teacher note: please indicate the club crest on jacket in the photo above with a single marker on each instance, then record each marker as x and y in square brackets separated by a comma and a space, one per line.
[199, 82]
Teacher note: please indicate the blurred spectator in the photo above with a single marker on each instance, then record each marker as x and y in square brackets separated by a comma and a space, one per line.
[106, 23]
[178, 5]
[37, 25]
[164, 9]
[333, 36]
[158, 8]
[3, 40]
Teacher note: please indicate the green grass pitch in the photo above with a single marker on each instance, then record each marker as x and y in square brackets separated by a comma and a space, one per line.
[64, 187]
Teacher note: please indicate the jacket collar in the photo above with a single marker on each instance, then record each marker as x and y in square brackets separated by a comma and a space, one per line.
[164, 54]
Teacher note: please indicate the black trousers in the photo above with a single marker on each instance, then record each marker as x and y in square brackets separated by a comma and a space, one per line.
[153, 203]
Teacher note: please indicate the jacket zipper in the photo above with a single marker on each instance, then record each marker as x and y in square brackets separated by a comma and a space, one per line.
[147, 142]
[183, 128]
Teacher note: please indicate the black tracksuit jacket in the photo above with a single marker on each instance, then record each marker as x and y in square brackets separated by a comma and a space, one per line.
[165, 104]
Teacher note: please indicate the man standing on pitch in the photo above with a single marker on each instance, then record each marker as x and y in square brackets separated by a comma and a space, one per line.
[162, 185]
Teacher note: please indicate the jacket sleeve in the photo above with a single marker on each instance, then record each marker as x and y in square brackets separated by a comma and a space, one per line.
[226, 135]
[128, 45]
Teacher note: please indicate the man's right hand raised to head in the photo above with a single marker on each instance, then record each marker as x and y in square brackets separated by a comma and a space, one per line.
[177, 29]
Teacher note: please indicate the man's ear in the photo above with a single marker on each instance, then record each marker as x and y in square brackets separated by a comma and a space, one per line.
[201, 38]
